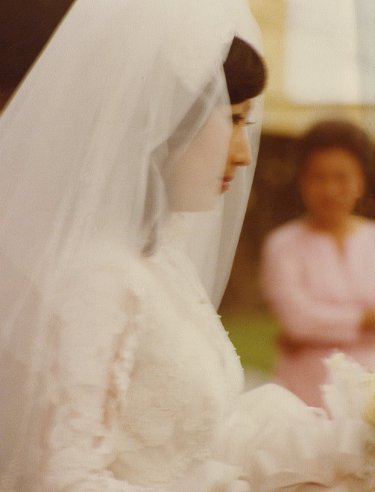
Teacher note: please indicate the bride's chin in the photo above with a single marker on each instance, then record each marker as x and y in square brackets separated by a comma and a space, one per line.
[194, 206]
[194, 202]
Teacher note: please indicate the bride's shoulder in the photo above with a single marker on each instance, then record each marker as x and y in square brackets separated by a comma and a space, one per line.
[101, 274]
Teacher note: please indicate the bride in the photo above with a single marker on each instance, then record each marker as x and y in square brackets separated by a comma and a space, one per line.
[119, 219]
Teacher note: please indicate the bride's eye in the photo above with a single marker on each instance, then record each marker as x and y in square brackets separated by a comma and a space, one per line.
[240, 120]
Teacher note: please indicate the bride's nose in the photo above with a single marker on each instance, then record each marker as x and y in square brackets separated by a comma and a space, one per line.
[241, 150]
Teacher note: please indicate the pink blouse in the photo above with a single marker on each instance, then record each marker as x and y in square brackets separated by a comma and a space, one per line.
[319, 295]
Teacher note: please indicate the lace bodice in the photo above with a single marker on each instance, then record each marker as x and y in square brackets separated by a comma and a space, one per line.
[141, 377]
[144, 394]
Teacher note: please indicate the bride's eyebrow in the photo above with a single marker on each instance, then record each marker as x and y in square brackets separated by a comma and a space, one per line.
[238, 116]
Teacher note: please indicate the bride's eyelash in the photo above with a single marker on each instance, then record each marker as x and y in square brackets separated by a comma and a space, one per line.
[238, 119]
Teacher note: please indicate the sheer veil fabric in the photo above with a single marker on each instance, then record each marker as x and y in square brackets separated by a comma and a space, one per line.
[89, 146]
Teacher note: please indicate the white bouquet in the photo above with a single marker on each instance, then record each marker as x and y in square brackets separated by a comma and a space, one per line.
[350, 395]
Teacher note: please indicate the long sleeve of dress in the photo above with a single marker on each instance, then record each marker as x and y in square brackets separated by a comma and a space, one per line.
[93, 348]
[305, 318]
[91, 357]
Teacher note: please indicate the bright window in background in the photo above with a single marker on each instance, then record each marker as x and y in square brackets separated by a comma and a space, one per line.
[330, 51]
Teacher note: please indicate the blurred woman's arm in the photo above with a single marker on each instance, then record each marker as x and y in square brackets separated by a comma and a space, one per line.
[304, 318]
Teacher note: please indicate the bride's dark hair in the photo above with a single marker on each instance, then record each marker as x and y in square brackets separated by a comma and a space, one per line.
[245, 72]
[245, 75]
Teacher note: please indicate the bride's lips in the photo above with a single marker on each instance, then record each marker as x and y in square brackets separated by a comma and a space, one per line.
[225, 182]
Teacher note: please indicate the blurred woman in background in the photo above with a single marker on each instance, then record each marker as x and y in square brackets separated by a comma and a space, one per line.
[318, 271]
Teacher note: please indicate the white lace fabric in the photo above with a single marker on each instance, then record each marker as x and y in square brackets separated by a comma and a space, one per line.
[146, 394]
[155, 402]
[93, 344]
[137, 387]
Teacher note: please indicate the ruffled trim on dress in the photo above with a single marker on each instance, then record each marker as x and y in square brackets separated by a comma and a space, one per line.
[281, 444]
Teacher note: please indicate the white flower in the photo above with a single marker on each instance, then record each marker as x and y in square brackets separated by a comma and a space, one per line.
[350, 394]
[349, 388]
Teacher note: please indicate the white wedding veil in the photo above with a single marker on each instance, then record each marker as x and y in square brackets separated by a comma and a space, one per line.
[215, 234]
[86, 143]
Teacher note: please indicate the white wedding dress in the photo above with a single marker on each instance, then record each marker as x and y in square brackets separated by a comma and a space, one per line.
[145, 392]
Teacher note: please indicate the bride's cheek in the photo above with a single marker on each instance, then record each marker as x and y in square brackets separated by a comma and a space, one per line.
[195, 181]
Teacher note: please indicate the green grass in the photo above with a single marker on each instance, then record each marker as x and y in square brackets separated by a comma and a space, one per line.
[254, 336]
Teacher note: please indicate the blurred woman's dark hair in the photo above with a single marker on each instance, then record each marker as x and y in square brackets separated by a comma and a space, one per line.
[341, 134]
[345, 135]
